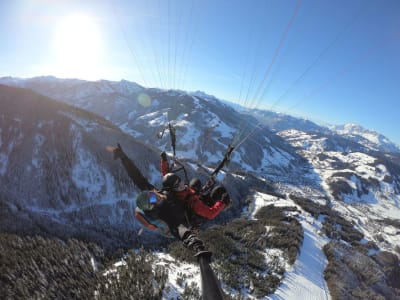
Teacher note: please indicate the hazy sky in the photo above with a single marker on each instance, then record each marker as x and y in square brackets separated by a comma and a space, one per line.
[331, 61]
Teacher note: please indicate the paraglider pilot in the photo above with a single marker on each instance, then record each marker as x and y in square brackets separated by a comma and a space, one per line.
[166, 210]
[205, 206]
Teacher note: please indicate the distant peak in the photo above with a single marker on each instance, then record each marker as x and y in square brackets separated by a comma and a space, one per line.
[203, 95]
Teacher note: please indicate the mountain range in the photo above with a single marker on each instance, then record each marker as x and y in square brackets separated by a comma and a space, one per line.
[57, 180]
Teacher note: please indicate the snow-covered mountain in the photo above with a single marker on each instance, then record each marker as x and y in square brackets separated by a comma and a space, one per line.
[205, 126]
[354, 133]
[364, 186]
[368, 138]
[342, 187]
[56, 177]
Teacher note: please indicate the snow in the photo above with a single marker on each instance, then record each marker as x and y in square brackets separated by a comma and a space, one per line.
[366, 137]
[222, 128]
[93, 263]
[380, 202]
[125, 127]
[4, 156]
[189, 138]
[39, 139]
[261, 200]
[303, 140]
[278, 158]
[115, 267]
[88, 175]
[190, 272]
[305, 279]
[158, 120]
[214, 158]
[3, 163]
[88, 126]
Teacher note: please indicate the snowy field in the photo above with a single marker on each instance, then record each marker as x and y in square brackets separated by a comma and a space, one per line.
[177, 271]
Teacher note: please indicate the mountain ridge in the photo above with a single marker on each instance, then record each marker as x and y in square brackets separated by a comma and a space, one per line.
[275, 121]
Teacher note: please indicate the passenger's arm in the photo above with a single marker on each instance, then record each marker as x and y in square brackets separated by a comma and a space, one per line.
[133, 171]
[209, 212]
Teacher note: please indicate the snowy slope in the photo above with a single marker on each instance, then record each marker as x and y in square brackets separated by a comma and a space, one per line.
[204, 125]
[56, 177]
[305, 279]
[363, 187]
[368, 138]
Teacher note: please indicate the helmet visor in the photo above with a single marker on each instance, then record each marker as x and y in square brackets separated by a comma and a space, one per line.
[152, 198]
[147, 200]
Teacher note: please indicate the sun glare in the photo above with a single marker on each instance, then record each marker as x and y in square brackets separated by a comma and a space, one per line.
[77, 47]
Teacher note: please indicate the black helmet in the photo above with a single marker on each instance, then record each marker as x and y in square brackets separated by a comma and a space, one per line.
[164, 155]
[195, 184]
[170, 181]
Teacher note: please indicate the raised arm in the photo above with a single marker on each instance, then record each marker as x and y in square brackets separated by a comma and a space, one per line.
[164, 164]
[133, 171]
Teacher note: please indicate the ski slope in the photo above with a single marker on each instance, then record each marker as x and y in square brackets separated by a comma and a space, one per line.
[305, 278]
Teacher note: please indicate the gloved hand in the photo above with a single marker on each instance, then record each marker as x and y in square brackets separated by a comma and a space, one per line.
[165, 232]
[116, 151]
[217, 192]
[164, 155]
[195, 184]
[226, 199]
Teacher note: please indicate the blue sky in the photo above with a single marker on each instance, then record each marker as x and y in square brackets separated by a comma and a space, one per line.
[335, 61]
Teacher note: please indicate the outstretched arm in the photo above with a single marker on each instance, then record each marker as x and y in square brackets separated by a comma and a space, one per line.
[144, 222]
[161, 226]
[208, 212]
[133, 171]
[218, 193]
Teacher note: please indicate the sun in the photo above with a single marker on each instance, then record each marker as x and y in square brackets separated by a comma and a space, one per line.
[77, 47]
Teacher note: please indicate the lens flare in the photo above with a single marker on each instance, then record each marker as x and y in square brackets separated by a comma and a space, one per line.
[144, 100]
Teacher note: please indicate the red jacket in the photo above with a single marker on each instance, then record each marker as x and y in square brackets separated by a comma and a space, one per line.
[164, 167]
[189, 198]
